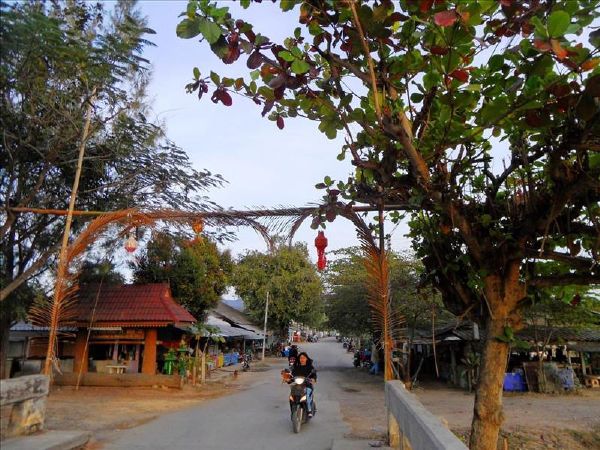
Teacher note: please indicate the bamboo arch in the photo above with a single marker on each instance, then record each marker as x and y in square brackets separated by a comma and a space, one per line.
[59, 310]
[376, 259]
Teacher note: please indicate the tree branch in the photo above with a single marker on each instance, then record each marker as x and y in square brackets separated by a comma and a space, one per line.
[574, 261]
[565, 280]
[365, 45]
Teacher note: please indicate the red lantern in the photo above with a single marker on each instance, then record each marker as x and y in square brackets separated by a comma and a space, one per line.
[321, 244]
[198, 226]
[131, 244]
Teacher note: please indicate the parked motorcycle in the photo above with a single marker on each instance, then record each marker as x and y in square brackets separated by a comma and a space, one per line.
[298, 403]
[357, 358]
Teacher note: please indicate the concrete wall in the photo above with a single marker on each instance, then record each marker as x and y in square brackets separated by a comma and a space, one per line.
[23, 404]
[411, 426]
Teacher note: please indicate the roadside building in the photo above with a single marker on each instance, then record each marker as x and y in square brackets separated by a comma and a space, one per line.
[127, 328]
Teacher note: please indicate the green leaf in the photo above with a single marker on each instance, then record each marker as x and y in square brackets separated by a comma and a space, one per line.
[287, 5]
[245, 3]
[485, 220]
[215, 78]
[558, 23]
[297, 52]
[573, 28]
[210, 30]
[431, 79]
[191, 9]
[540, 29]
[299, 67]
[188, 28]
[286, 56]
[196, 73]
[496, 62]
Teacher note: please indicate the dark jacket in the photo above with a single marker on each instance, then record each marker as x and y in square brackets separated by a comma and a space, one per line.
[307, 371]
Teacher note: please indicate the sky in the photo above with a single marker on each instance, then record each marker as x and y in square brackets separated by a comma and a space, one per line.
[264, 166]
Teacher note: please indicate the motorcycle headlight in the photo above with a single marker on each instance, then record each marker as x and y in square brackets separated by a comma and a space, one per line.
[299, 380]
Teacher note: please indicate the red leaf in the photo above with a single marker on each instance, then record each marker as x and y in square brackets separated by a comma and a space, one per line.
[254, 61]
[560, 52]
[590, 64]
[280, 123]
[460, 75]
[541, 45]
[506, 3]
[445, 18]
[225, 98]
[437, 50]
[425, 5]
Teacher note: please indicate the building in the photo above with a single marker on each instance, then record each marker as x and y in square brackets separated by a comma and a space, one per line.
[126, 326]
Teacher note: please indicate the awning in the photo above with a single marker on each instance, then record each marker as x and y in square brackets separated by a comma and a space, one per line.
[227, 330]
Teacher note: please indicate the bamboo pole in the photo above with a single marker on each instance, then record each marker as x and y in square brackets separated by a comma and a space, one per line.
[63, 263]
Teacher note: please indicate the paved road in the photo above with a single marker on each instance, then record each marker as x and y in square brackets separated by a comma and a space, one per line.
[255, 419]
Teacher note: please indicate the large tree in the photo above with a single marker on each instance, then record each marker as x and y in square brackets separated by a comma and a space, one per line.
[479, 117]
[290, 279]
[197, 271]
[58, 59]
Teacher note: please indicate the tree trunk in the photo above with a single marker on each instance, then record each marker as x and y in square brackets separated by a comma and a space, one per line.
[502, 294]
[487, 414]
[4, 343]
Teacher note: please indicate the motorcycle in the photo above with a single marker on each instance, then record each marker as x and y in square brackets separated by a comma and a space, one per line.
[298, 403]
[246, 362]
[357, 359]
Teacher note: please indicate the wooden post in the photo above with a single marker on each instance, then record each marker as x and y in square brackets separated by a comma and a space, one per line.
[453, 365]
[149, 364]
[583, 368]
[80, 362]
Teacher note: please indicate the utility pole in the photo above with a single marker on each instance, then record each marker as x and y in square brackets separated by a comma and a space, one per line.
[265, 327]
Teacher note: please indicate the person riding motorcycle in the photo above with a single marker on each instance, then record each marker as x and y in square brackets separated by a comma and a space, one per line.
[303, 367]
[293, 354]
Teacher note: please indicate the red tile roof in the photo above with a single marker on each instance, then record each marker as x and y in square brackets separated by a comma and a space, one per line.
[130, 305]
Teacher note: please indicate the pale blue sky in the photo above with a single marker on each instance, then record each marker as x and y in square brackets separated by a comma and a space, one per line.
[265, 166]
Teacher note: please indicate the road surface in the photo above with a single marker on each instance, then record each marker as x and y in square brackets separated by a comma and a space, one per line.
[255, 419]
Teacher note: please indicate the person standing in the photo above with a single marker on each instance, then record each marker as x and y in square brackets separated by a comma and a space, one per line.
[375, 360]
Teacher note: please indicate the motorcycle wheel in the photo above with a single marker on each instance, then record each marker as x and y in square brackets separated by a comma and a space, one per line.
[297, 419]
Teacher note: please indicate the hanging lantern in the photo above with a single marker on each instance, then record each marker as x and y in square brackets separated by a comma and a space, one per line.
[131, 244]
[198, 226]
[321, 244]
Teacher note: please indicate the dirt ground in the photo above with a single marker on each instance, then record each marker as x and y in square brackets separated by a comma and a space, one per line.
[103, 410]
[532, 421]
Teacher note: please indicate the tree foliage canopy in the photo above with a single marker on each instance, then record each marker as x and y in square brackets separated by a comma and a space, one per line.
[291, 280]
[197, 272]
[480, 116]
[56, 58]
[346, 294]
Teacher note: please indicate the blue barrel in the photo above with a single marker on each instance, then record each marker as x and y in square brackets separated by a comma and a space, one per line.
[514, 382]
